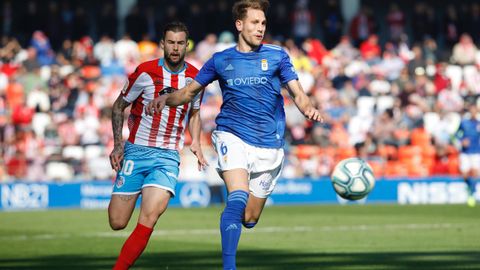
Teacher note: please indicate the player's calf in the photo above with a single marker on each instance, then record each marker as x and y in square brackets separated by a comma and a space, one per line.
[231, 226]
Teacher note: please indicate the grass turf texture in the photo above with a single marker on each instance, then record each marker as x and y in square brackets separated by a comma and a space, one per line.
[288, 237]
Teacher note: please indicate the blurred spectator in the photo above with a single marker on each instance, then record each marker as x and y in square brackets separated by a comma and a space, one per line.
[147, 48]
[384, 128]
[465, 51]
[225, 40]
[332, 23]
[206, 48]
[41, 44]
[370, 50]
[396, 22]
[302, 21]
[126, 50]
[345, 51]
[104, 50]
[417, 64]
[451, 26]
[362, 26]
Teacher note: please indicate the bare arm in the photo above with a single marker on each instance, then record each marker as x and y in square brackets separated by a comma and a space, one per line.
[302, 101]
[194, 126]
[179, 97]
[118, 110]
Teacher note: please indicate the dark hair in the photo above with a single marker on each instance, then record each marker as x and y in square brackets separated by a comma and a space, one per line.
[239, 9]
[175, 27]
[389, 112]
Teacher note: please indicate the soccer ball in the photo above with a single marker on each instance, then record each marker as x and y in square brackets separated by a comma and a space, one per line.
[353, 178]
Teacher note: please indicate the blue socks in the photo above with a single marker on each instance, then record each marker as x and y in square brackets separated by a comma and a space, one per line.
[231, 226]
[471, 186]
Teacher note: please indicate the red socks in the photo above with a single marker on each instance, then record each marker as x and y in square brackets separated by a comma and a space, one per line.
[133, 247]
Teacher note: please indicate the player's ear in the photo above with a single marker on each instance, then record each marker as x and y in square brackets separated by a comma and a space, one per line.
[162, 44]
[239, 25]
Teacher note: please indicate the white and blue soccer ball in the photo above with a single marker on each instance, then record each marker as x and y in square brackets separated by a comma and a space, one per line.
[353, 178]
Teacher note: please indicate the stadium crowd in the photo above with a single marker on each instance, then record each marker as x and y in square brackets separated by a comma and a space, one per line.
[396, 103]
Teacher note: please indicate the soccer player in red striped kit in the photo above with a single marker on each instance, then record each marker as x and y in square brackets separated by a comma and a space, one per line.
[148, 162]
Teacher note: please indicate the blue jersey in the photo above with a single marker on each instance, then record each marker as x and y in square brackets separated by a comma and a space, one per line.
[251, 82]
[470, 129]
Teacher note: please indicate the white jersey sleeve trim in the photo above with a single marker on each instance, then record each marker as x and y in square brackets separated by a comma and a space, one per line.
[274, 47]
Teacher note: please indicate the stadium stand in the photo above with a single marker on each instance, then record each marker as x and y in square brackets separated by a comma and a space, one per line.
[57, 84]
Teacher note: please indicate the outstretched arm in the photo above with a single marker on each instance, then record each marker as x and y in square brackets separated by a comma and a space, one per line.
[302, 101]
[116, 157]
[194, 126]
[179, 97]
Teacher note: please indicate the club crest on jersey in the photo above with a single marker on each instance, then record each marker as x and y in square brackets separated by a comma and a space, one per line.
[120, 181]
[264, 64]
[157, 81]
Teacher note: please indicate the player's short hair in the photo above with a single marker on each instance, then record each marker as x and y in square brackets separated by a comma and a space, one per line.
[176, 27]
[239, 9]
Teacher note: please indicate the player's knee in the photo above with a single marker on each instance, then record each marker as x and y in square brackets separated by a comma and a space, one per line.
[250, 218]
[149, 219]
[117, 224]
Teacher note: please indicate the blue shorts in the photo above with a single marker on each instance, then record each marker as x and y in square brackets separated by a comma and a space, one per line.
[145, 166]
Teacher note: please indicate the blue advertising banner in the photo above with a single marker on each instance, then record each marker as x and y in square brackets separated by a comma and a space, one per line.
[16, 196]
[402, 191]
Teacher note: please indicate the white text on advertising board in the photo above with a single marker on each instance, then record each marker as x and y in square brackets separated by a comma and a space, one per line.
[23, 196]
[432, 193]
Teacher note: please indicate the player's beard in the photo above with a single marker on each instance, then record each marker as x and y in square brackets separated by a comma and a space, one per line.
[173, 63]
[252, 43]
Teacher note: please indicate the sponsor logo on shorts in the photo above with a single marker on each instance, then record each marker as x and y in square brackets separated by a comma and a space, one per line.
[120, 181]
[265, 184]
[171, 174]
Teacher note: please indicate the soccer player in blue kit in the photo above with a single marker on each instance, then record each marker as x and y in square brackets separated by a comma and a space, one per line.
[469, 135]
[250, 127]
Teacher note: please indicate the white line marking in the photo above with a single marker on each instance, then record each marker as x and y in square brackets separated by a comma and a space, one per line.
[260, 230]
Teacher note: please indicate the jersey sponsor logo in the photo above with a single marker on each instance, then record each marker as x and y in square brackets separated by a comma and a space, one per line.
[247, 81]
[264, 64]
[229, 67]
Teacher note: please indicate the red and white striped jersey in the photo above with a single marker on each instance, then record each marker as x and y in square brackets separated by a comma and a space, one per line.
[164, 130]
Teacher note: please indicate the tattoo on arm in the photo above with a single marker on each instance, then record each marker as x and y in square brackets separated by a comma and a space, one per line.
[117, 119]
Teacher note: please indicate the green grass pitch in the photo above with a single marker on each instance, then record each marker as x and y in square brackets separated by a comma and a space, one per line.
[288, 237]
